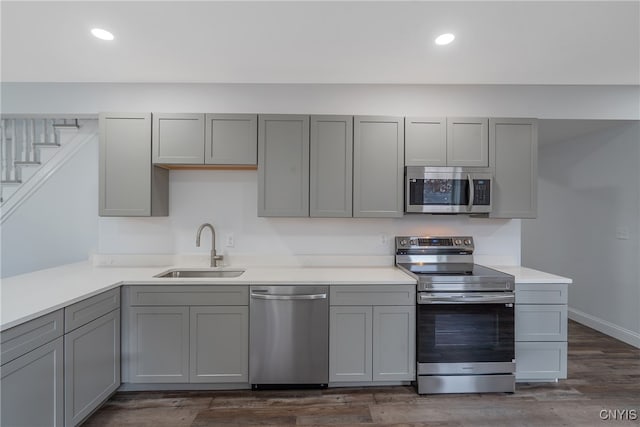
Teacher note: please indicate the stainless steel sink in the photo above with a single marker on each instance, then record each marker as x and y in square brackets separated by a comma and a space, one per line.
[181, 274]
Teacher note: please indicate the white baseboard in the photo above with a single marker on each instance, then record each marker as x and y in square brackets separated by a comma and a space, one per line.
[607, 328]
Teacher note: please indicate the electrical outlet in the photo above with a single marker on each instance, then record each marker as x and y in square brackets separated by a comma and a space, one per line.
[230, 242]
[384, 239]
[622, 233]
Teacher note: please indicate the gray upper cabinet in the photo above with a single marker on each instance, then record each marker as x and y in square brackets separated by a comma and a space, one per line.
[467, 142]
[451, 141]
[425, 141]
[231, 139]
[283, 165]
[516, 171]
[178, 138]
[378, 166]
[331, 166]
[129, 184]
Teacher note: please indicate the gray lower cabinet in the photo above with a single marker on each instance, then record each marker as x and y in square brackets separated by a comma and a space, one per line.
[516, 167]
[178, 138]
[128, 183]
[33, 387]
[219, 344]
[186, 334]
[283, 165]
[370, 342]
[331, 166]
[350, 349]
[92, 366]
[378, 166]
[541, 331]
[159, 345]
[394, 332]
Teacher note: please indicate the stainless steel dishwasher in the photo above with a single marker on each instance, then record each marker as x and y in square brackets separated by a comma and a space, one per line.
[289, 336]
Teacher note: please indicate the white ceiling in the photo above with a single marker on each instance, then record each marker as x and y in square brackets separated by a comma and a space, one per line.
[515, 42]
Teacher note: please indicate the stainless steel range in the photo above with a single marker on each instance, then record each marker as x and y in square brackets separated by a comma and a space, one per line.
[465, 317]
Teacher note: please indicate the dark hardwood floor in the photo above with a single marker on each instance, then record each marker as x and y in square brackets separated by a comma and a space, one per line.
[604, 375]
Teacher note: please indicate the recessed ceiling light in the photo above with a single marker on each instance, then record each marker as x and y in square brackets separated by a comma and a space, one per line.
[102, 34]
[443, 39]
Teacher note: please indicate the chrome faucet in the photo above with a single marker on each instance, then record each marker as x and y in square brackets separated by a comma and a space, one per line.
[214, 258]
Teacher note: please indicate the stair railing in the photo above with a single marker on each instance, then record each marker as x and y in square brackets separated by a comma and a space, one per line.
[21, 138]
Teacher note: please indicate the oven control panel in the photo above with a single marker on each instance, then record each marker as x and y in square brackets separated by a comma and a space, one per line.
[434, 242]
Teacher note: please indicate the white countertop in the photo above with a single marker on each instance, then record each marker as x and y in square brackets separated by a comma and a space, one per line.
[31, 295]
[529, 275]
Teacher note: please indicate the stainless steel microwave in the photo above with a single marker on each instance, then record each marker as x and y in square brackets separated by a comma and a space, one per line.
[447, 190]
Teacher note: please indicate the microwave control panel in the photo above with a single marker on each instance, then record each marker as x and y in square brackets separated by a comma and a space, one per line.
[481, 192]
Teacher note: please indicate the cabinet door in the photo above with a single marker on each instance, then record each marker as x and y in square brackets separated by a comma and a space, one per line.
[378, 166]
[129, 185]
[467, 142]
[283, 165]
[394, 343]
[178, 138]
[32, 387]
[91, 366]
[331, 166]
[515, 188]
[541, 361]
[231, 139]
[425, 141]
[159, 345]
[219, 344]
[541, 322]
[350, 351]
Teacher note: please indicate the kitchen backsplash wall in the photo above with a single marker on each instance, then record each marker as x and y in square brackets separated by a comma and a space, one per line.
[228, 200]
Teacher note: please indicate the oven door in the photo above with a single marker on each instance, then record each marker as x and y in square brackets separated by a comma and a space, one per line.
[451, 191]
[465, 333]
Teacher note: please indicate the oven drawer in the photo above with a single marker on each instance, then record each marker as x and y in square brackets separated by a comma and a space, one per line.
[373, 295]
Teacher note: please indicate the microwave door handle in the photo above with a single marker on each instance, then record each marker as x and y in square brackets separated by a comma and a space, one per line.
[471, 193]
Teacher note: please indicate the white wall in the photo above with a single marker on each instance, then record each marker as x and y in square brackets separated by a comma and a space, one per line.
[58, 224]
[551, 102]
[228, 200]
[588, 199]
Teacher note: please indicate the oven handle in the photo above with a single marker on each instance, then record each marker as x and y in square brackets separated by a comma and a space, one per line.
[466, 298]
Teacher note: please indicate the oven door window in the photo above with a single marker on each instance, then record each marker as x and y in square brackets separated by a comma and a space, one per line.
[464, 333]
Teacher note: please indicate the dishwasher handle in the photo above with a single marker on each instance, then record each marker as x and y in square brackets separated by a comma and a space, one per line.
[288, 297]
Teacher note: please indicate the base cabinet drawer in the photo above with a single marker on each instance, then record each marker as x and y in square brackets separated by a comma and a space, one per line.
[541, 361]
[91, 366]
[32, 388]
[540, 322]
